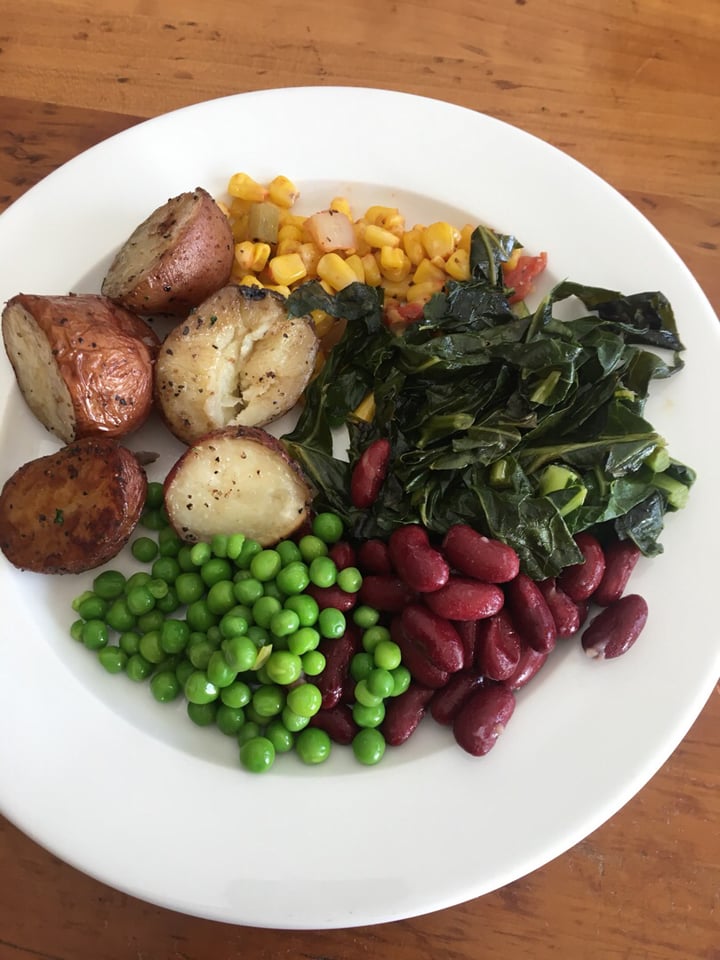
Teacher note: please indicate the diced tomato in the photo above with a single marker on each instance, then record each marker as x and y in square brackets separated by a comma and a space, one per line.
[399, 315]
[520, 278]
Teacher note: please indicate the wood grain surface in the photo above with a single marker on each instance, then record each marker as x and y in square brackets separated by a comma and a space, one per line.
[630, 88]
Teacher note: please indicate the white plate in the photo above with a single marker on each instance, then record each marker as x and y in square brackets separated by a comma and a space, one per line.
[128, 790]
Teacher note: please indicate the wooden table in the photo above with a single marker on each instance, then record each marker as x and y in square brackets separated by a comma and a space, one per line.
[629, 87]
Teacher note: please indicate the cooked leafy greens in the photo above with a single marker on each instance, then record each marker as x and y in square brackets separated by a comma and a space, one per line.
[530, 428]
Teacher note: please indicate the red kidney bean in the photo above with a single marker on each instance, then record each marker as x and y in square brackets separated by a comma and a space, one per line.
[420, 566]
[337, 722]
[369, 474]
[530, 663]
[404, 713]
[467, 631]
[483, 717]
[415, 660]
[621, 556]
[464, 599]
[332, 597]
[565, 612]
[386, 593]
[373, 557]
[478, 556]
[338, 653]
[437, 637]
[343, 554]
[446, 702]
[498, 648]
[580, 580]
[530, 613]
[616, 628]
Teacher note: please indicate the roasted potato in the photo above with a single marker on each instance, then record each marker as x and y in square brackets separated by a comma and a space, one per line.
[174, 259]
[72, 510]
[83, 364]
[237, 480]
[239, 359]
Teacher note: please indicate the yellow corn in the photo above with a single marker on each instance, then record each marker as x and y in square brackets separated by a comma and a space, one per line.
[244, 187]
[458, 265]
[361, 245]
[398, 290]
[439, 239]
[310, 256]
[341, 205]
[240, 228]
[428, 271]
[372, 270]
[512, 262]
[224, 207]
[412, 244]
[287, 246]
[389, 218]
[283, 192]
[378, 237]
[322, 322]
[365, 410]
[287, 269]
[394, 264]
[356, 264]
[251, 256]
[465, 237]
[335, 272]
[290, 231]
[249, 280]
[288, 219]
[421, 292]
[278, 288]
[239, 208]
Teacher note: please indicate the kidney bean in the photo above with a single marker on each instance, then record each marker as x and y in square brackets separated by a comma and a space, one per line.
[373, 557]
[338, 653]
[369, 474]
[332, 597]
[465, 599]
[483, 717]
[422, 670]
[404, 713]
[530, 613]
[343, 554]
[498, 648]
[386, 593]
[337, 722]
[478, 556]
[467, 631]
[447, 701]
[437, 637]
[530, 662]
[616, 628]
[621, 556]
[565, 612]
[580, 580]
[420, 566]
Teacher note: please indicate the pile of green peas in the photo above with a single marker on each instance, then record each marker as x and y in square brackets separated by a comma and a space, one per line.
[229, 626]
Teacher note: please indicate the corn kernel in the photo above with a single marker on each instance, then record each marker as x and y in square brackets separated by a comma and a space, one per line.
[322, 322]
[377, 237]
[371, 270]
[249, 280]
[458, 265]
[429, 271]
[240, 228]
[287, 269]
[287, 246]
[290, 231]
[356, 264]
[398, 290]
[341, 205]
[466, 237]
[251, 256]
[438, 240]
[244, 187]
[389, 218]
[394, 264]
[239, 208]
[310, 256]
[421, 292]
[365, 410]
[283, 192]
[288, 219]
[412, 244]
[224, 207]
[335, 272]
[278, 288]
[361, 245]
[512, 261]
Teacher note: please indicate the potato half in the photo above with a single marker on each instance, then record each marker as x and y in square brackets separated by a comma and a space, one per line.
[239, 359]
[174, 259]
[83, 364]
[237, 480]
[72, 510]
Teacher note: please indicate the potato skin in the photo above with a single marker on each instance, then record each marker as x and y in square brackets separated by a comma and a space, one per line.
[72, 510]
[174, 259]
[83, 364]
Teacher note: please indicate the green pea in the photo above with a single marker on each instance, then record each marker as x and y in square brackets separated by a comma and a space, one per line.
[76, 630]
[280, 737]
[95, 634]
[150, 647]
[174, 635]
[200, 553]
[138, 668]
[313, 663]
[363, 694]
[265, 565]
[152, 620]
[368, 746]
[293, 721]
[283, 667]
[257, 754]
[199, 689]
[264, 609]
[311, 547]
[313, 745]
[184, 558]
[189, 587]
[129, 642]
[237, 694]
[248, 730]
[119, 617]
[268, 700]
[113, 659]
[247, 552]
[401, 680]
[240, 652]
[379, 683]
[303, 640]
[323, 572]
[165, 686]
[137, 579]
[199, 653]
[215, 569]
[289, 552]
[158, 588]
[387, 655]
[306, 607]
[361, 665]
[328, 527]
[169, 603]
[235, 543]
[219, 545]
[372, 637]
[154, 496]
[93, 607]
[139, 600]
[233, 625]
[271, 589]
[349, 579]
[253, 716]
[293, 578]
[144, 549]
[219, 671]
[183, 671]
[368, 716]
[365, 616]
[169, 543]
[221, 597]
[284, 622]
[166, 568]
[199, 617]
[248, 590]
[110, 584]
[229, 719]
[304, 699]
[154, 519]
[331, 623]
[202, 714]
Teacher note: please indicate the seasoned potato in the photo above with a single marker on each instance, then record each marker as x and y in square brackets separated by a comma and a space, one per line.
[83, 364]
[239, 359]
[237, 480]
[72, 510]
[174, 259]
